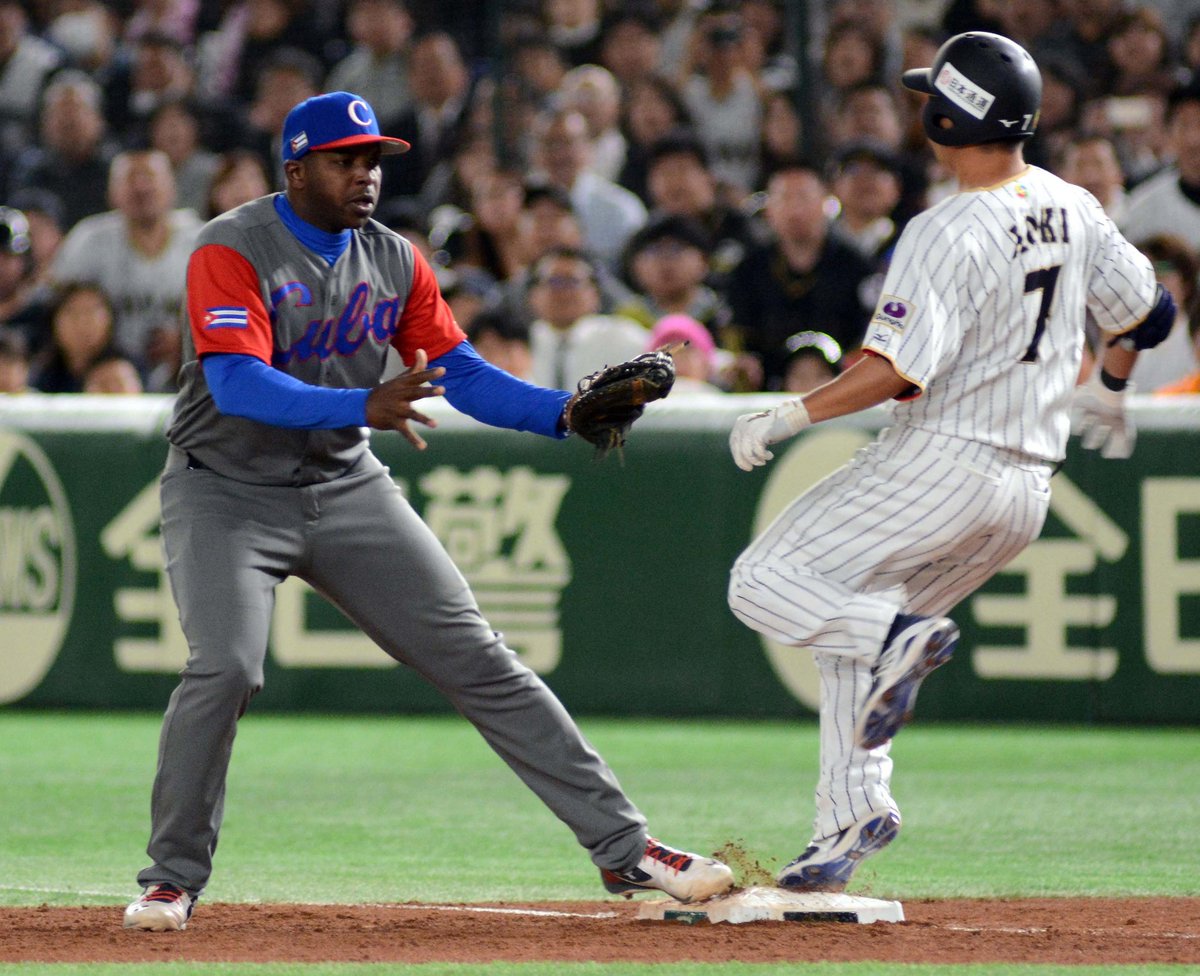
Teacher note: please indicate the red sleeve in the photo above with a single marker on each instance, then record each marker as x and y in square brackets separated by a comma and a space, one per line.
[224, 304]
[426, 322]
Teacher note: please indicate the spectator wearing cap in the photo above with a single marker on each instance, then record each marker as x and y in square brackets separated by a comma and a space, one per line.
[608, 214]
[694, 352]
[802, 274]
[569, 337]
[377, 67]
[682, 184]
[14, 361]
[867, 185]
[666, 264]
[74, 153]
[1169, 203]
[812, 360]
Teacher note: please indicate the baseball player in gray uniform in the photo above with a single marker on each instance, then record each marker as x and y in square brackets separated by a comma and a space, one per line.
[292, 301]
[978, 337]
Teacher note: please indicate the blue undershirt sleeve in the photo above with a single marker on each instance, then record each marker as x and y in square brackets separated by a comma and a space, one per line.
[245, 386]
[490, 395]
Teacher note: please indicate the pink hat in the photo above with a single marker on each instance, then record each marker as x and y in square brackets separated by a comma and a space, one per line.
[676, 328]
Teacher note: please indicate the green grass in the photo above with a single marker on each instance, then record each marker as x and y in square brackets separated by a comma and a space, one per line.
[348, 810]
[390, 809]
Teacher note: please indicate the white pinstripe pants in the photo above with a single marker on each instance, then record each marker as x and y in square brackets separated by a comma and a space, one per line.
[913, 524]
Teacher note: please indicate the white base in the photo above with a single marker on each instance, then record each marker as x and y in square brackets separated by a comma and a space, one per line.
[775, 905]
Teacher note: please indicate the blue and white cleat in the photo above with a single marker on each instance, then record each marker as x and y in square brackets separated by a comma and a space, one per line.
[906, 659]
[828, 863]
[683, 876]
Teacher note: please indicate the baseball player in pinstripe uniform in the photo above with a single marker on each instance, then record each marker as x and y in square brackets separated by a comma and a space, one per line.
[293, 300]
[978, 337]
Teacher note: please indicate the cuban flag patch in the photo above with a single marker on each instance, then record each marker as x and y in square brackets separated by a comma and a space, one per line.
[226, 317]
[299, 142]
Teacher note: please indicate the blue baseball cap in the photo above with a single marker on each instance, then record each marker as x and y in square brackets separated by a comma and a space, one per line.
[334, 121]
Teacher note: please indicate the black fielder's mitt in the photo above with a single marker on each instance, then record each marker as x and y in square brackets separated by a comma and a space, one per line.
[607, 402]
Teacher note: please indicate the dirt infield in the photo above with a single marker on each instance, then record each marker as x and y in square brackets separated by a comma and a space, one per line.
[1048, 930]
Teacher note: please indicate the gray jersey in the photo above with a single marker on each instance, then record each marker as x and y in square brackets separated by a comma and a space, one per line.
[254, 289]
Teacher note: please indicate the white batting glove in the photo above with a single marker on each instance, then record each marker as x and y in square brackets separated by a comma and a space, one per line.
[753, 433]
[1098, 416]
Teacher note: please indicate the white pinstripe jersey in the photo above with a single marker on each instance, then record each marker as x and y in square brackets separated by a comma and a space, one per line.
[984, 304]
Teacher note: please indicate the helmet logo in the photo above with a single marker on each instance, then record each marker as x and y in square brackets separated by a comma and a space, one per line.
[963, 92]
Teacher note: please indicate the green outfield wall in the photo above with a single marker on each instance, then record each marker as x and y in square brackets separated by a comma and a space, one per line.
[607, 577]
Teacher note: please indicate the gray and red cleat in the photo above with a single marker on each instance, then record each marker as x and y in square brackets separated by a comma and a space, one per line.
[161, 908]
[683, 876]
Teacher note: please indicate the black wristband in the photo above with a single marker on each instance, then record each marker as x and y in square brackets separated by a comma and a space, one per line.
[1110, 382]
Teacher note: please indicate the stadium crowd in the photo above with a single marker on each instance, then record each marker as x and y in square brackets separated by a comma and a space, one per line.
[589, 179]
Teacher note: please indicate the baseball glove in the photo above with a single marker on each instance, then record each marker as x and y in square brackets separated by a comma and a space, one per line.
[607, 402]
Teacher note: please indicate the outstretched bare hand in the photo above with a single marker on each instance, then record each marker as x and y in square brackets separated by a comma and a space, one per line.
[389, 405]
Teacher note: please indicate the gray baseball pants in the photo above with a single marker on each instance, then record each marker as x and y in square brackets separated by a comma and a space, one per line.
[359, 543]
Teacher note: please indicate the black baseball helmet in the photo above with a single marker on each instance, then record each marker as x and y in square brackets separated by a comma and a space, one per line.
[982, 88]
